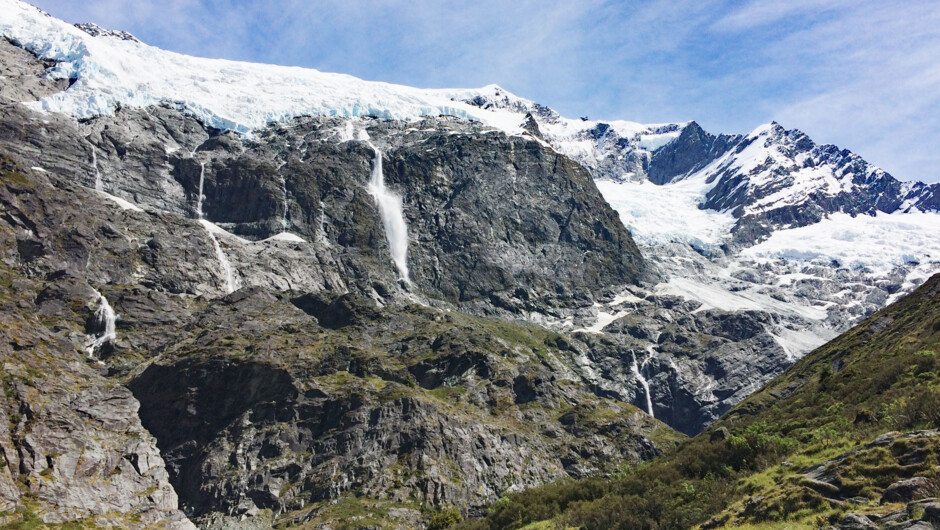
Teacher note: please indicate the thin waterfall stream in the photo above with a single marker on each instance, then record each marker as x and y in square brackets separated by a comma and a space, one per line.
[228, 272]
[644, 383]
[99, 186]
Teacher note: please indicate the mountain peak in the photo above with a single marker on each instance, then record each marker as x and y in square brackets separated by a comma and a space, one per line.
[97, 31]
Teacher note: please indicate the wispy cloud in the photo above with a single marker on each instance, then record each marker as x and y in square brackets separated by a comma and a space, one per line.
[862, 75]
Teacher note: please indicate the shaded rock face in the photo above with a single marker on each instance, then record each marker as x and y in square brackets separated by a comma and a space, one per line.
[499, 212]
[266, 410]
[696, 364]
[691, 151]
[71, 441]
[486, 213]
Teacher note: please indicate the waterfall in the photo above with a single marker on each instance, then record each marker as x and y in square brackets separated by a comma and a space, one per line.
[644, 383]
[228, 272]
[393, 217]
[284, 204]
[202, 176]
[106, 318]
[94, 161]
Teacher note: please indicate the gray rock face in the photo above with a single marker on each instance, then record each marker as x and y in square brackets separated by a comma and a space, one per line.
[72, 443]
[486, 214]
[558, 239]
[695, 364]
[691, 151]
[22, 75]
[908, 490]
[400, 405]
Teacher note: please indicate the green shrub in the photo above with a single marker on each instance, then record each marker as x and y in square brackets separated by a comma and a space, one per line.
[445, 519]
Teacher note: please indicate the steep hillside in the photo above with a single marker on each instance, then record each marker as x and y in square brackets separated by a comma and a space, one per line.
[266, 402]
[804, 450]
[292, 366]
[490, 203]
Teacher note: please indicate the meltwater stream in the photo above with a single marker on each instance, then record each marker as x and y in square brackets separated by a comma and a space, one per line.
[94, 161]
[105, 319]
[202, 176]
[228, 272]
[393, 217]
[638, 372]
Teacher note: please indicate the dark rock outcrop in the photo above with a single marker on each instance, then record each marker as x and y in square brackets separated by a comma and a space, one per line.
[908, 490]
[691, 151]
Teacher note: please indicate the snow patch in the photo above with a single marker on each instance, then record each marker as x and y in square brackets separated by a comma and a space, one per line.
[714, 296]
[124, 204]
[286, 236]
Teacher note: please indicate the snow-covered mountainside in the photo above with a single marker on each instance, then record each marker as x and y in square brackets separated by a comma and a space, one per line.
[808, 237]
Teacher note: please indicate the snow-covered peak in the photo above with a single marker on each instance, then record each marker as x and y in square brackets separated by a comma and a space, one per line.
[773, 168]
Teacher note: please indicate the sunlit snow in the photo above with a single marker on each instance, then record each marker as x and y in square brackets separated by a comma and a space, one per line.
[879, 242]
[657, 214]
[229, 95]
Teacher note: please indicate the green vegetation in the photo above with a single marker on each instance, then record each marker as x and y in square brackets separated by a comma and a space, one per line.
[749, 469]
[445, 519]
[359, 512]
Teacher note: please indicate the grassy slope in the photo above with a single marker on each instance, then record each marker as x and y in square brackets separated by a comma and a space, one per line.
[880, 376]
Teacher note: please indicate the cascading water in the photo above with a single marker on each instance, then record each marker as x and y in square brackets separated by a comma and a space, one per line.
[393, 217]
[106, 319]
[644, 383]
[284, 204]
[227, 271]
[202, 176]
[94, 161]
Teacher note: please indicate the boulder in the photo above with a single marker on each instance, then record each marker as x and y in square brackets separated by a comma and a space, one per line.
[908, 490]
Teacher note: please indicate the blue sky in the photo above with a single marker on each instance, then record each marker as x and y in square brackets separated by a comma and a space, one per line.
[862, 75]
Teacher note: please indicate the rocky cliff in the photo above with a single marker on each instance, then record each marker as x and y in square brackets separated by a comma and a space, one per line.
[324, 375]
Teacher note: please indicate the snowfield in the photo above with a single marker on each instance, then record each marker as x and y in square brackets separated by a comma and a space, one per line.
[652, 212]
[228, 95]
[878, 243]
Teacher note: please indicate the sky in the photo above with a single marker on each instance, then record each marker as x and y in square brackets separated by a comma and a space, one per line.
[864, 75]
